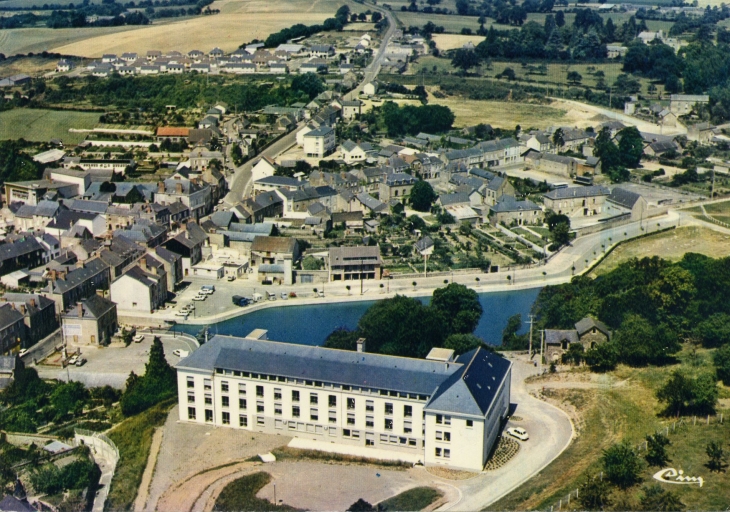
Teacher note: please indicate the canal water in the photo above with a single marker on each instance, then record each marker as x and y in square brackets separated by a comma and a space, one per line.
[311, 324]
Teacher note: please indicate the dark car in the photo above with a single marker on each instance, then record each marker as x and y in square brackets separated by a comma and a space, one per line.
[239, 301]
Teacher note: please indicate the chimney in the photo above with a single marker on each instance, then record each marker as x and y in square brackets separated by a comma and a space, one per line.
[178, 188]
[361, 344]
[80, 309]
[32, 303]
[161, 187]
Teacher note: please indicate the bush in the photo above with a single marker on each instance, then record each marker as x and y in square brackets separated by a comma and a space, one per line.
[241, 495]
[158, 383]
[621, 465]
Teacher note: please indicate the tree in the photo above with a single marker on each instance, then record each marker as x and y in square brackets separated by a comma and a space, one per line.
[361, 506]
[621, 465]
[510, 339]
[308, 83]
[509, 74]
[422, 196]
[721, 358]
[715, 457]
[575, 354]
[559, 137]
[683, 393]
[462, 343]
[460, 306]
[656, 452]
[641, 343]
[158, 383]
[312, 263]
[560, 18]
[714, 331]
[574, 78]
[656, 499]
[343, 339]
[594, 493]
[462, 7]
[465, 59]
[560, 235]
[68, 398]
[603, 357]
[631, 147]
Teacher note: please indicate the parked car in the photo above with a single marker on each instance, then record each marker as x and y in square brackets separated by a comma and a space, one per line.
[284, 295]
[257, 297]
[182, 312]
[207, 289]
[188, 307]
[180, 353]
[519, 433]
[231, 278]
[80, 361]
[72, 360]
[200, 297]
[138, 338]
[271, 295]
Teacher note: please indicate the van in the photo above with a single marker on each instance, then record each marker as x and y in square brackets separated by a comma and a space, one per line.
[257, 297]
[271, 295]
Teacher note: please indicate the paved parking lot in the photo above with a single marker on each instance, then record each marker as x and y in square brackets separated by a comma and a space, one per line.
[111, 365]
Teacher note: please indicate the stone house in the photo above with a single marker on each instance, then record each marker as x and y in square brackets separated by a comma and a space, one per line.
[92, 321]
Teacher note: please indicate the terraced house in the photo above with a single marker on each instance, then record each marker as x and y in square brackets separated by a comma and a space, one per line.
[442, 410]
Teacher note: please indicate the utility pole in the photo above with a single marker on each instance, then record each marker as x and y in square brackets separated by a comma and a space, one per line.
[532, 320]
[542, 342]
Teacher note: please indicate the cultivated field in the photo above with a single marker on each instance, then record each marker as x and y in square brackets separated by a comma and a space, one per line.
[670, 245]
[32, 66]
[239, 22]
[452, 41]
[36, 40]
[42, 125]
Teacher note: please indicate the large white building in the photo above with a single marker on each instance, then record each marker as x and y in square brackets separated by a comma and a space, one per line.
[440, 411]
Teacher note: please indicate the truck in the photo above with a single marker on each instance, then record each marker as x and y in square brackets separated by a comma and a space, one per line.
[239, 300]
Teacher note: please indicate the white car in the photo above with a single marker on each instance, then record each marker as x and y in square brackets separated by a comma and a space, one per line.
[519, 433]
[200, 297]
[180, 353]
[231, 278]
[183, 312]
[72, 360]
[188, 307]
[138, 338]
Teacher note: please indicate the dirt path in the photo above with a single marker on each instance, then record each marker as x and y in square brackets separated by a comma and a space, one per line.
[144, 487]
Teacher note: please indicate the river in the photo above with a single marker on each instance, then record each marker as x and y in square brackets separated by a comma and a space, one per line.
[311, 324]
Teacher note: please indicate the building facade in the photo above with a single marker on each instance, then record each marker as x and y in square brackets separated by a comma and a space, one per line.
[445, 412]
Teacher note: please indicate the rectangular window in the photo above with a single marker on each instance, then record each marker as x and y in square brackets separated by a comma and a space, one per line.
[314, 414]
[295, 396]
[191, 382]
[369, 405]
[241, 388]
[388, 408]
[209, 415]
[439, 419]
[277, 394]
[295, 411]
[332, 401]
[191, 413]
[350, 403]
[260, 420]
[191, 398]
[407, 411]
[243, 421]
[259, 391]
[356, 434]
[447, 436]
[447, 420]
[224, 386]
[346, 432]
[407, 427]
[388, 424]
[259, 406]
[350, 418]
[225, 401]
[241, 403]
[411, 442]
[438, 452]
[225, 418]
[439, 435]
[207, 385]
[313, 398]
[332, 416]
[208, 399]
[447, 453]
[277, 410]
[383, 438]
[469, 423]
[369, 421]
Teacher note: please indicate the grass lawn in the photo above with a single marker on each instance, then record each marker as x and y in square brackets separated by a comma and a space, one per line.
[43, 125]
[472, 112]
[721, 211]
[604, 415]
[241, 495]
[133, 438]
[417, 498]
[670, 245]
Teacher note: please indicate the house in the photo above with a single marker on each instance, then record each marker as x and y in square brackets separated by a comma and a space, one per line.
[366, 202]
[200, 158]
[616, 51]
[540, 142]
[317, 393]
[557, 164]
[626, 201]
[396, 186]
[189, 245]
[588, 332]
[355, 263]
[509, 211]
[352, 153]
[322, 51]
[21, 253]
[67, 219]
[172, 263]
[667, 118]
[350, 220]
[143, 288]
[319, 142]
[13, 334]
[32, 192]
[63, 66]
[660, 147]
[370, 88]
[351, 109]
[683, 104]
[173, 133]
[92, 321]
[577, 201]
[496, 187]
[39, 314]
[273, 258]
[67, 287]
[193, 193]
[264, 168]
[82, 179]
[8, 366]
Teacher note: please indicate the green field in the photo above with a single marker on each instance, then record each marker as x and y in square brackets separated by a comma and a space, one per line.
[43, 125]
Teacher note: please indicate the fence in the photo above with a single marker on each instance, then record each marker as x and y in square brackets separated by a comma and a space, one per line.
[675, 428]
[99, 444]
